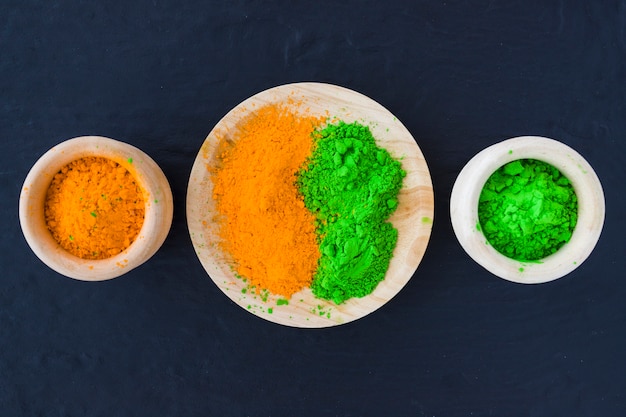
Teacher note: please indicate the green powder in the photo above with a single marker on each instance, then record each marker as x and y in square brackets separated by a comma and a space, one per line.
[527, 210]
[351, 186]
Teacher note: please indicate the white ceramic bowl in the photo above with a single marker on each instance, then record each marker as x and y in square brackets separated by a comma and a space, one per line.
[464, 208]
[158, 210]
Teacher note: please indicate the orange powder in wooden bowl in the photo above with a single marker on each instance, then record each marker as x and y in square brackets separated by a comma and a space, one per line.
[94, 208]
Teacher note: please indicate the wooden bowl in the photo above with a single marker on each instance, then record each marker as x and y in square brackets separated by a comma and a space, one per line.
[158, 210]
[469, 184]
[413, 217]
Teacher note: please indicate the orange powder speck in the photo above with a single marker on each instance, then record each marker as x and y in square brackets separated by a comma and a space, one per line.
[262, 221]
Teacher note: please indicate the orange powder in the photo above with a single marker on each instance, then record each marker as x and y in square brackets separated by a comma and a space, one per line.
[94, 208]
[263, 223]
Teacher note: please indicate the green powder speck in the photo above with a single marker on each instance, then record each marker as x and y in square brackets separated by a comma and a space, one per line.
[527, 210]
[521, 269]
[321, 311]
[351, 186]
[281, 302]
[270, 310]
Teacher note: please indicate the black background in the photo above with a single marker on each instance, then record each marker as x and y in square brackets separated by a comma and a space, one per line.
[457, 341]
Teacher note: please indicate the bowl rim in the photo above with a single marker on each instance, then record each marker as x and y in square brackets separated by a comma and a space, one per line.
[145, 171]
[591, 208]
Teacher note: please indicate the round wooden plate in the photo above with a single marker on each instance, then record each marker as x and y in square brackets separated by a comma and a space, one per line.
[413, 217]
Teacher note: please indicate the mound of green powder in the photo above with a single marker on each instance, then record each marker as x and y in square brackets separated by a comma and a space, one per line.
[351, 186]
[527, 210]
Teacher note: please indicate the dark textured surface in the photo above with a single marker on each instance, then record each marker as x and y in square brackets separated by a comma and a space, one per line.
[456, 341]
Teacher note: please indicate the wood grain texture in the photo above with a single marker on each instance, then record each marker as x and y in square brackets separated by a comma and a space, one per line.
[591, 209]
[413, 218]
[158, 208]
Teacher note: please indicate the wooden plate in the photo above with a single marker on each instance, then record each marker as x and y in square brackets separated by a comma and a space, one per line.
[413, 217]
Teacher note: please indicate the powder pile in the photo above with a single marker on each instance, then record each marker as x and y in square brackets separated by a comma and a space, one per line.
[303, 206]
[94, 208]
[263, 223]
[351, 186]
[527, 210]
